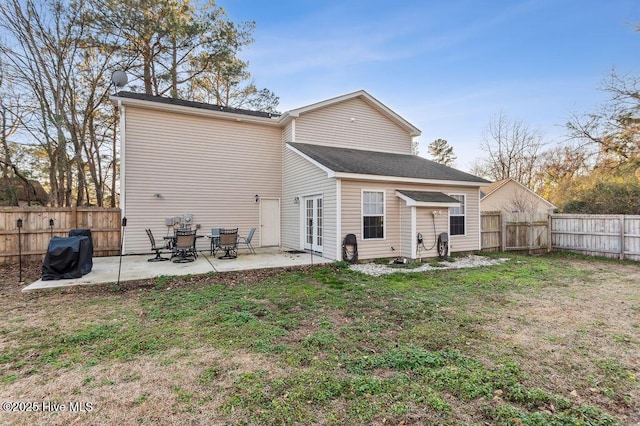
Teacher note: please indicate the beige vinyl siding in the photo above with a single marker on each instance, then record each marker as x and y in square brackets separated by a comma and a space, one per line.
[424, 225]
[394, 223]
[352, 124]
[287, 132]
[210, 168]
[301, 178]
[406, 231]
[471, 240]
[352, 218]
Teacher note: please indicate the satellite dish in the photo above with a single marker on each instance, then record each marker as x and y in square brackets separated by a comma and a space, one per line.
[119, 79]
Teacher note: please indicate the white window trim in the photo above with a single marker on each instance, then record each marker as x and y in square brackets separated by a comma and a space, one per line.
[384, 214]
[464, 215]
[301, 215]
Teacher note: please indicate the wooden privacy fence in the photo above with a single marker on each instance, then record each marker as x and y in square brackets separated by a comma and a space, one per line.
[514, 232]
[36, 232]
[616, 236]
[491, 231]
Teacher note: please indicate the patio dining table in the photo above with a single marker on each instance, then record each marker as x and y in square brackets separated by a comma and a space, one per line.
[215, 241]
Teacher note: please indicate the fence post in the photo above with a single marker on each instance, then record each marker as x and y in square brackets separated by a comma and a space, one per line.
[549, 224]
[503, 232]
[74, 216]
[622, 248]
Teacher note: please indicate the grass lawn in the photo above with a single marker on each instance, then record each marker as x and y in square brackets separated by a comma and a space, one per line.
[550, 340]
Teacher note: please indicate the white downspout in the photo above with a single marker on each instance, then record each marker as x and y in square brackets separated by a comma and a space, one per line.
[338, 219]
[479, 223]
[414, 230]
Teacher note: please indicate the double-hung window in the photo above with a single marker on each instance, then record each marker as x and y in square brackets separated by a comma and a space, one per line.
[372, 214]
[457, 216]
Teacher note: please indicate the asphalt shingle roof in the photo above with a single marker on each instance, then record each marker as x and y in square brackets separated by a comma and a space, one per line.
[357, 161]
[192, 104]
[428, 196]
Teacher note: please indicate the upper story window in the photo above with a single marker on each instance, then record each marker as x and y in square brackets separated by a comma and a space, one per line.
[372, 214]
[457, 216]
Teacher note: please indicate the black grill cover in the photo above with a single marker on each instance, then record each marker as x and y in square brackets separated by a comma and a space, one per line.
[65, 257]
[88, 264]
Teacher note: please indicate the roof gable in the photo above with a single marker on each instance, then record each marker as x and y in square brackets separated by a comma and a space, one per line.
[360, 94]
[496, 186]
[356, 163]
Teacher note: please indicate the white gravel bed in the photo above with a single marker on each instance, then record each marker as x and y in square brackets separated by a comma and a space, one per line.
[470, 261]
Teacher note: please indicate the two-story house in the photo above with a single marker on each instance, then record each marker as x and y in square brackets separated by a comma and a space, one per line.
[305, 179]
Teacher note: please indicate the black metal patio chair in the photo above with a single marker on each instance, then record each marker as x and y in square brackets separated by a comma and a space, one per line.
[229, 243]
[184, 246]
[157, 247]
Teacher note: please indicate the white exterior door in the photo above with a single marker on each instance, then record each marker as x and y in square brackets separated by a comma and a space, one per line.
[313, 223]
[269, 222]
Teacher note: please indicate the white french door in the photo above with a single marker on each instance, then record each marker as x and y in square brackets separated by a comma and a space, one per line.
[313, 223]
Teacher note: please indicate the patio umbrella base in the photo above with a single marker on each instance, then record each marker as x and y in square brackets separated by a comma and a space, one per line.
[158, 259]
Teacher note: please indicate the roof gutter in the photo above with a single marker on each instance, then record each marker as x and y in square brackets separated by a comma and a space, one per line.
[157, 106]
[402, 179]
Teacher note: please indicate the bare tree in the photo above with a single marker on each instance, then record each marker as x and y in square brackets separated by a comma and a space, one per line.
[604, 172]
[520, 201]
[512, 150]
[53, 57]
[60, 53]
[614, 130]
[37, 62]
[11, 114]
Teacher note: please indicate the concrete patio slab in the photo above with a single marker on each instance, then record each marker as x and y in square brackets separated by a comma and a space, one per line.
[105, 269]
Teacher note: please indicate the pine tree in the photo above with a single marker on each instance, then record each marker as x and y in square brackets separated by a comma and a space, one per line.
[441, 152]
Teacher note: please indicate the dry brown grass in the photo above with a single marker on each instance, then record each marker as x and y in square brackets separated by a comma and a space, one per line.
[151, 390]
[564, 336]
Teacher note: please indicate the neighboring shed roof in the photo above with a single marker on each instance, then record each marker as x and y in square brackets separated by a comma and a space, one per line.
[347, 161]
[495, 187]
[192, 104]
[427, 198]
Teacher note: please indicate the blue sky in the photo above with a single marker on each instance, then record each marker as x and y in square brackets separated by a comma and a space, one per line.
[446, 66]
